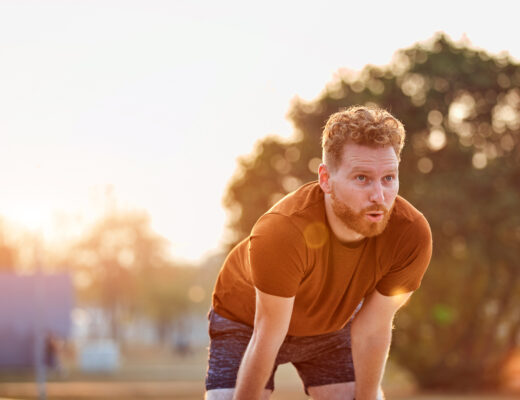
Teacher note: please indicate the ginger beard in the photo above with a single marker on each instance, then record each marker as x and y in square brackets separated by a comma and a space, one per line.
[358, 221]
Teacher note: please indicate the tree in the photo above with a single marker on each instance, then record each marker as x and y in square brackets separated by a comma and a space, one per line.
[163, 296]
[460, 167]
[114, 261]
[9, 248]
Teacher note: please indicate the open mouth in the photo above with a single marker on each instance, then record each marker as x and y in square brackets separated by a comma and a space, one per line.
[375, 216]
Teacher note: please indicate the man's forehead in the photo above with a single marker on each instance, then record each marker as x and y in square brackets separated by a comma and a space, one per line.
[361, 162]
[391, 165]
[369, 169]
[370, 158]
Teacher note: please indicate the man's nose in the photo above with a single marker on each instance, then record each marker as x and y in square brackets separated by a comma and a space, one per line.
[376, 194]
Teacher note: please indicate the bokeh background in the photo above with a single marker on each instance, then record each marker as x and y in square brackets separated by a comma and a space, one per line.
[141, 140]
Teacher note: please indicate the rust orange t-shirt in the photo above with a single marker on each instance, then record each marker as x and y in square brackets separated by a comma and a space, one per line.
[292, 252]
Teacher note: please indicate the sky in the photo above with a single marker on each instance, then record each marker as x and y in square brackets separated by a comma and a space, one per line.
[148, 104]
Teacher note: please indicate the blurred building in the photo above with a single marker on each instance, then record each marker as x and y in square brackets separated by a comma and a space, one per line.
[90, 324]
[28, 304]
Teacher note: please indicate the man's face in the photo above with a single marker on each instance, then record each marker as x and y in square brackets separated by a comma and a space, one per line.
[364, 186]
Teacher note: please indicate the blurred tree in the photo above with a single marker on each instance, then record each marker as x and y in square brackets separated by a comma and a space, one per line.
[163, 296]
[8, 256]
[460, 167]
[8, 251]
[120, 262]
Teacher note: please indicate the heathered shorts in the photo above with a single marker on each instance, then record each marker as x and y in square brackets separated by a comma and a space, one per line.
[319, 360]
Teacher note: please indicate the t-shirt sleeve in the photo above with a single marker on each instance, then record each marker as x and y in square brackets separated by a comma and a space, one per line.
[411, 258]
[276, 251]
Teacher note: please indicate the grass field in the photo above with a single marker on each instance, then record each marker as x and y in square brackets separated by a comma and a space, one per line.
[158, 374]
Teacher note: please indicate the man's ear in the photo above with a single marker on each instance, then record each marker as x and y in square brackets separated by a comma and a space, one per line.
[324, 176]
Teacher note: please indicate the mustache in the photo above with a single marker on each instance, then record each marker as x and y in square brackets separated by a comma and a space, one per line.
[375, 208]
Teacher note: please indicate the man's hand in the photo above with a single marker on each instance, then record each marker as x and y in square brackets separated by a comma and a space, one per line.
[272, 317]
[371, 337]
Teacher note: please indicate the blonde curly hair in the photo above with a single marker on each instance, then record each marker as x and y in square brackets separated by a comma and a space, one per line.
[370, 126]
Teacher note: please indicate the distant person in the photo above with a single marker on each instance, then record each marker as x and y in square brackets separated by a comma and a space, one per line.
[290, 291]
[51, 352]
[182, 344]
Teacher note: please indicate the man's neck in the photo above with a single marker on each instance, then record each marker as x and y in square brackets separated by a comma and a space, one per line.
[340, 230]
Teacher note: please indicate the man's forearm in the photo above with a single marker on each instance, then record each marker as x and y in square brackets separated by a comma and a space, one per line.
[369, 353]
[255, 370]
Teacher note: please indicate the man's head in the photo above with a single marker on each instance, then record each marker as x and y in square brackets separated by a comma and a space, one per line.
[368, 126]
[361, 153]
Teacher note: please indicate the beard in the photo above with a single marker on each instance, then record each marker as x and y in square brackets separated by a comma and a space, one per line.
[358, 221]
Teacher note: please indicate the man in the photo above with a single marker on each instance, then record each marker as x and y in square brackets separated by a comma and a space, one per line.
[290, 291]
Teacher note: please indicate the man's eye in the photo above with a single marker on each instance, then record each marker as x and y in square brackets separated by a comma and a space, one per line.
[361, 178]
[389, 178]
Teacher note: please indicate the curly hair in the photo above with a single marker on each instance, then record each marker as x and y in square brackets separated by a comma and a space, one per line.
[363, 125]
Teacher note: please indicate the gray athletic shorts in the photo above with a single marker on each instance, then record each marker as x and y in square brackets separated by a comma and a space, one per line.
[319, 360]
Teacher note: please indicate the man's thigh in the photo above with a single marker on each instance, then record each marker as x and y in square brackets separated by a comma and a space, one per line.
[228, 342]
[324, 360]
[321, 360]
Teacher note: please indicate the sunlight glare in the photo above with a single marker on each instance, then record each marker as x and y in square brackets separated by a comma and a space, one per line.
[30, 216]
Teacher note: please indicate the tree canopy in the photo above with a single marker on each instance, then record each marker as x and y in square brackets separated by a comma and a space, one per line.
[460, 167]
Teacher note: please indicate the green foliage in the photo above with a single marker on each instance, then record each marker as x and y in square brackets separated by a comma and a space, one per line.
[460, 167]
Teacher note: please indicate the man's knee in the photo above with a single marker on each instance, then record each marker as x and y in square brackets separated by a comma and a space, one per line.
[227, 394]
[219, 394]
[335, 391]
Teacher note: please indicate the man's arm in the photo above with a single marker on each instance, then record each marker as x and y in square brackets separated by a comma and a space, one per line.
[371, 336]
[272, 317]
